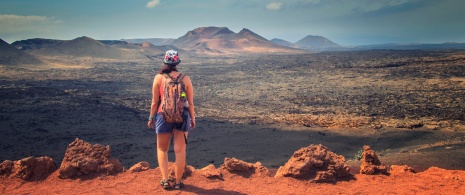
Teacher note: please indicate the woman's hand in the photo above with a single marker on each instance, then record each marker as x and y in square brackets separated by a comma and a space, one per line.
[193, 123]
[150, 124]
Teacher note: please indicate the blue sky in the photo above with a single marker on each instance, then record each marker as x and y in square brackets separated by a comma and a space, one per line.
[347, 22]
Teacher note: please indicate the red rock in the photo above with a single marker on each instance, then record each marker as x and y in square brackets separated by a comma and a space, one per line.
[401, 170]
[29, 168]
[141, 166]
[211, 172]
[315, 163]
[239, 166]
[6, 167]
[82, 158]
[370, 163]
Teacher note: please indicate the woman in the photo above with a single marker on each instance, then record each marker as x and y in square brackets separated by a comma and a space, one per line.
[165, 129]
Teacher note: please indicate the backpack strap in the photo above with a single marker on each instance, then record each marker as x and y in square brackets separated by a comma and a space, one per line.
[179, 78]
[167, 75]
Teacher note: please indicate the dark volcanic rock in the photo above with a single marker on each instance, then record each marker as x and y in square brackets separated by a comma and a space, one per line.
[82, 158]
[370, 163]
[29, 168]
[317, 164]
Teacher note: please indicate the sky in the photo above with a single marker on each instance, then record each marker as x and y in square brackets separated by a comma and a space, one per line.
[346, 22]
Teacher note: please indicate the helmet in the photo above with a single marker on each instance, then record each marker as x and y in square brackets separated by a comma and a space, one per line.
[171, 58]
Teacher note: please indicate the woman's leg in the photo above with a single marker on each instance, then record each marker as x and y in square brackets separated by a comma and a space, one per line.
[163, 143]
[180, 153]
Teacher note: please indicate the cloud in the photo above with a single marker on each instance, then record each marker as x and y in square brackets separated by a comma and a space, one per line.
[153, 3]
[274, 6]
[17, 23]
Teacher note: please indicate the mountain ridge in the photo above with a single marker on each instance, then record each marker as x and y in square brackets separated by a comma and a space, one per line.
[221, 40]
[10, 55]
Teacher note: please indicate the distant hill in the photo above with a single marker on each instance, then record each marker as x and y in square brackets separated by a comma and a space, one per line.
[311, 42]
[316, 42]
[79, 47]
[36, 43]
[85, 47]
[115, 42]
[154, 41]
[154, 51]
[283, 42]
[10, 55]
[221, 40]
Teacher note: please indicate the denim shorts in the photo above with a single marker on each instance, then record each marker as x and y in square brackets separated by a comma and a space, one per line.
[161, 126]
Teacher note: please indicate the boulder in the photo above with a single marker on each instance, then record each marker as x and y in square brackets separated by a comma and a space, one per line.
[29, 169]
[401, 170]
[238, 166]
[141, 166]
[210, 172]
[370, 163]
[82, 158]
[316, 164]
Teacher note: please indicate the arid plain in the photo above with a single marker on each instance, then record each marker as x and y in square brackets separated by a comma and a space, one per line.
[407, 105]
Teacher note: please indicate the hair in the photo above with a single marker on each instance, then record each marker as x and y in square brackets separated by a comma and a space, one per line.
[167, 69]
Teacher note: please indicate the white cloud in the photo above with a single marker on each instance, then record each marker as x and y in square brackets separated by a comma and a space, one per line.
[153, 3]
[274, 6]
[17, 23]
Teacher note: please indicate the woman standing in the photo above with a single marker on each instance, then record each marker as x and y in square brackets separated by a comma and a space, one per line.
[165, 129]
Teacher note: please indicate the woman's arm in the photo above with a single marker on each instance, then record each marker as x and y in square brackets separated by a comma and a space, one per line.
[155, 99]
[190, 99]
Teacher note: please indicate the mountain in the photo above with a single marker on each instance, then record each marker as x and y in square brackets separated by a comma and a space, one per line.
[283, 42]
[86, 47]
[316, 43]
[36, 43]
[155, 51]
[310, 42]
[10, 55]
[79, 47]
[154, 41]
[221, 40]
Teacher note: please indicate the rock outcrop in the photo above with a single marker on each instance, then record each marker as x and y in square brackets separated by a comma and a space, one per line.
[400, 170]
[211, 172]
[238, 166]
[82, 158]
[370, 163]
[141, 166]
[29, 168]
[317, 164]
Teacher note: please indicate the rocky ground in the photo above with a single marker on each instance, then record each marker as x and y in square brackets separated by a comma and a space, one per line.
[88, 168]
[407, 105]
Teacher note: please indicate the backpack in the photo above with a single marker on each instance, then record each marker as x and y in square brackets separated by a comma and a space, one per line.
[175, 99]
